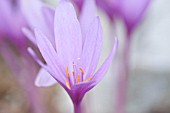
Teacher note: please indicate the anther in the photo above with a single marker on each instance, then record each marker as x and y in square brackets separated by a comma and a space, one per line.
[82, 71]
[88, 79]
[67, 73]
[68, 85]
[78, 78]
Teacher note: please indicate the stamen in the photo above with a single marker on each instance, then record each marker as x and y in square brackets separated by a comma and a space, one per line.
[88, 79]
[82, 71]
[78, 78]
[67, 73]
[68, 85]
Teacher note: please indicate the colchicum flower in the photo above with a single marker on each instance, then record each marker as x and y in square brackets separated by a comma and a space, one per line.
[73, 59]
[41, 16]
[38, 15]
[131, 11]
[10, 30]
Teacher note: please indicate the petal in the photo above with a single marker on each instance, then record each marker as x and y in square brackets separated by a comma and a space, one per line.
[49, 19]
[92, 47]
[133, 10]
[35, 57]
[44, 79]
[79, 4]
[50, 56]
[87, 16]
[105, 66]
[97, 52]
[110, 7]
[32, 10]
[67, 32]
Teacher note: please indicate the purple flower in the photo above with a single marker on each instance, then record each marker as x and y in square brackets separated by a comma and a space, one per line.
[38, 15]
[41, 16]
[73, 60]
[12, 20]
[131, 11]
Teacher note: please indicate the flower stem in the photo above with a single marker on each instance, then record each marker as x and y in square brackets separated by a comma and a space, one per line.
[77, 108]
[123, 76]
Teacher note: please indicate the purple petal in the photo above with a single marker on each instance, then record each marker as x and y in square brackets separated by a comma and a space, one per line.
[33, 12]
[87, 16]
[49, 54]
[109, 6]
[105, 66]
[35, 57]
[49, 19]
[92, 47]
[67, 33]
[44, 79]
[79, 4]
[133, 10]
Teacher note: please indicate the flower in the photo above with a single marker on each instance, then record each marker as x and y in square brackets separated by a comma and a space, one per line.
[41, 16]
[38, 15]
[9, 29]
[73, 60]
[131, 11]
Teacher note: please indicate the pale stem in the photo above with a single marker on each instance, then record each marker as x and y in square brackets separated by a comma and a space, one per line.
[123, 75]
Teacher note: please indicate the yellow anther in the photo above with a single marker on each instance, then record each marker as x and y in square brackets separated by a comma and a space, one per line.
[78, 78]
[82, 71]
[68, 85]
[88, 79]
[67, 73]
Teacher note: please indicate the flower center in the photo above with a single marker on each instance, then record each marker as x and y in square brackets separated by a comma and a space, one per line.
[77, 76]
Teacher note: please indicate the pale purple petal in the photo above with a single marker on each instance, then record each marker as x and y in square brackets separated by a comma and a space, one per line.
[49, 54]
[48, 13]
[97, 52]
[44, 79]
[67, 33]
[87, 16]
[105, 66]
[93, 37]
[35, 57]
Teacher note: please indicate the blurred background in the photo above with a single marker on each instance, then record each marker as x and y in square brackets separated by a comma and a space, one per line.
[149, 83]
